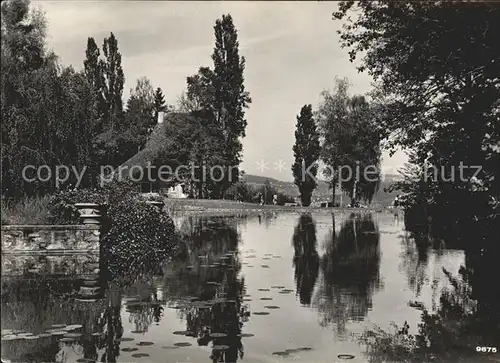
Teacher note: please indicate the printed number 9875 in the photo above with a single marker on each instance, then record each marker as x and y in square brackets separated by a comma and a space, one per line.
[486, 349]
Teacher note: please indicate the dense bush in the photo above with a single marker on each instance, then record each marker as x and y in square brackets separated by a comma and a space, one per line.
[139, 234]
[134, 233]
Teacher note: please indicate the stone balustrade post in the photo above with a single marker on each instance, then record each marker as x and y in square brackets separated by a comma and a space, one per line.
[89, 213]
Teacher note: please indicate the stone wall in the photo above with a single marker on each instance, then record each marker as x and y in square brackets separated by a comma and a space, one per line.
[50, 239]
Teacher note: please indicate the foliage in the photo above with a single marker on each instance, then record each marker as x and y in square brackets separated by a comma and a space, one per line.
[350, 142]
[218, 96]
[240, 191]
[159, 104]
[438, 90]
[131, 227]
[137, 229]
[45, 107]
[26, 211]
[245, 192]
[306, 151]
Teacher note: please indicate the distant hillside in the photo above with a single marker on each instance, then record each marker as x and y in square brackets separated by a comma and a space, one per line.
[323, 192]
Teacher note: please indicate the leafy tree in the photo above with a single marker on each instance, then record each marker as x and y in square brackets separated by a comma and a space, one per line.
[351, 144]
[46, 108]
[438, 81]
[140, 112]
[306, 151]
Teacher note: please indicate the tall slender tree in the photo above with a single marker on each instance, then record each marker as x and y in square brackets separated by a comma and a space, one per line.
[95, 78]
[306, 151]
[229, 96]
[114, 80]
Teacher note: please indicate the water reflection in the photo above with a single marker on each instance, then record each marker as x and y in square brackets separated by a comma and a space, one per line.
[350, 271]
[201, 299]
[207, 287]
[306, 258]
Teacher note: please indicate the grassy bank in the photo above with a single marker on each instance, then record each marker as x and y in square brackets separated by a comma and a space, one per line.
[209, 206]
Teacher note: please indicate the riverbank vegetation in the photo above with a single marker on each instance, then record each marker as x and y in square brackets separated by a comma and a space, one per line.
[437, 87]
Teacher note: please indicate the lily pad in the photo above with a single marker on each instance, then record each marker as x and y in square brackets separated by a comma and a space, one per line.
[130, 349]
[72, 335]
[266, 298]
[305, 349]
[264, 266]
[246, 300]
[22, 335]
[97, 334]
[10, 337]
[281, 354]
[220, 347]
[264, 290]
[169, 347]
[145, 343]
[346, 356]
[179, 332]
[57, 332]
[126, 339]
[73, 327]
[67, 340]
[58, 326]
[214, 283]
[183, 344]
[245, 335]
[32, 337]
[218, 335]
[261, 313]
[277, 287]
[271, 307]
[140, 355]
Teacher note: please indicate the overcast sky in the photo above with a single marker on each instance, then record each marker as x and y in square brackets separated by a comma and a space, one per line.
[291, 48]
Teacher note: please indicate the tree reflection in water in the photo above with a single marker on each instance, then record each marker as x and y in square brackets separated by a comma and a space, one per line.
[306, 258]
[414, 263]
[350, 272]
[207, 287]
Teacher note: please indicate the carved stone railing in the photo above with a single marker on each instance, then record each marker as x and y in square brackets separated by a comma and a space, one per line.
[72, 250]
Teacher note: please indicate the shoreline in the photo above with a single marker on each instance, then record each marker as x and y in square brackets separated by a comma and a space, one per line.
[225, 207]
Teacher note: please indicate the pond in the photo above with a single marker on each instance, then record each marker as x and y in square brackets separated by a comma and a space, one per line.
[257, 289]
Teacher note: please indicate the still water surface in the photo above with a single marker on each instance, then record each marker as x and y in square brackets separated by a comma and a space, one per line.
[256, 289]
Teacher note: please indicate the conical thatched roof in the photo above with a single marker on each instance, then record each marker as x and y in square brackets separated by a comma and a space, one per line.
[158, 141]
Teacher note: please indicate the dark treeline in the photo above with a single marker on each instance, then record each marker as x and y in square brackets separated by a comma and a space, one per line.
[437, 87]
[436, 71]
[55, 115]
